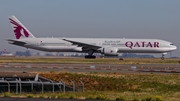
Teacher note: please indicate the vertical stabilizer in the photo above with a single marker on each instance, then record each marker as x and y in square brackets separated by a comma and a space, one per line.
[20, 30]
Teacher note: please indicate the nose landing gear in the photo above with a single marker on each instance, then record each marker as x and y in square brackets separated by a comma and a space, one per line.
[162, 58]
[163, 54]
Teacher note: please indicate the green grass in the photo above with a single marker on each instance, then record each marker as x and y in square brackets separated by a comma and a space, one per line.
[125, 96]
[115, 86]
[119, 85]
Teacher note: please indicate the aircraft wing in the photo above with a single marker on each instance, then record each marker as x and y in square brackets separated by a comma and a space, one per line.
[16, 42]
[84, 45]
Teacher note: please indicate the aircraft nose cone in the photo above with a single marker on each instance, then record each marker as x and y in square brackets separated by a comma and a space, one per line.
[174, 48]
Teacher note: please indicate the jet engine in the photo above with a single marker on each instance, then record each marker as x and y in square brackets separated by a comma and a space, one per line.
[110, 51]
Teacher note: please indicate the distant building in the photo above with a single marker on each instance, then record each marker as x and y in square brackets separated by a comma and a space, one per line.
[6, 54]
[26, 53]
[132, 55]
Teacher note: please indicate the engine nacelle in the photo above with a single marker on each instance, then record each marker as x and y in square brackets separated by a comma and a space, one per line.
[110, 51]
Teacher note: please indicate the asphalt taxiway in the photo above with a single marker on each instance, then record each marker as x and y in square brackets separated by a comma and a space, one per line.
[31, 67]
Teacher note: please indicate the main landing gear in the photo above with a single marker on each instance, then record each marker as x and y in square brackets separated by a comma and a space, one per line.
[120, 58]
[90, 55]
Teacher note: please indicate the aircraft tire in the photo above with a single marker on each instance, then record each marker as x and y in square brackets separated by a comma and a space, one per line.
[90, 57]
[162, 58]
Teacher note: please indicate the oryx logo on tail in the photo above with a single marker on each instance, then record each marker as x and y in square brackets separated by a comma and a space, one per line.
[19, 29]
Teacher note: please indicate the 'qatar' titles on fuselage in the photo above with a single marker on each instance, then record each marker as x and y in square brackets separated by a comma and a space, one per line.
[130, 44]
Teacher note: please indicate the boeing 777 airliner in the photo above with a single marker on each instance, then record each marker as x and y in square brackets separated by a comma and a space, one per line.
[106, 46]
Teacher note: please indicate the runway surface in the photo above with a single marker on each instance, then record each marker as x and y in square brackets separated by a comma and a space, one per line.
[31, 67]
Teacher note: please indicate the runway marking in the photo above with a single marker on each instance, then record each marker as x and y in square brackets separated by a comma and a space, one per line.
[131, 68]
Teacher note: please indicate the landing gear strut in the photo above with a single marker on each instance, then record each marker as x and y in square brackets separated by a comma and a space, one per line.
[90, 55]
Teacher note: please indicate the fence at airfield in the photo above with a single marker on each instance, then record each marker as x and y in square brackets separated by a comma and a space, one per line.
[18, 83]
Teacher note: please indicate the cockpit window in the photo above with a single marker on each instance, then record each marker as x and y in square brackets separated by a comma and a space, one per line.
[172, 44]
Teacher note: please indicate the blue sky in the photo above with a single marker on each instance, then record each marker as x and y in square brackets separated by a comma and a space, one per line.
[93, 18]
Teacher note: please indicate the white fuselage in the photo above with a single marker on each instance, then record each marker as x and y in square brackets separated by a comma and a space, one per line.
[122, 45]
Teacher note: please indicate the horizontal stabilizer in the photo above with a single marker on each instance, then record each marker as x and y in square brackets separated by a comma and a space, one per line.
[16, 42]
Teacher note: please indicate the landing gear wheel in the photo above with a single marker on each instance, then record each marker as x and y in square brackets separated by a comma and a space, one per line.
[120, 58]
[162, 58]
[90, 57]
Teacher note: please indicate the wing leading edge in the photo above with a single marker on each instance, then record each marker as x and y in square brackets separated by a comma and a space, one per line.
[83, 45]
